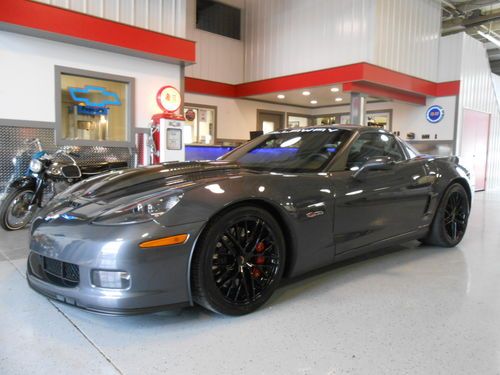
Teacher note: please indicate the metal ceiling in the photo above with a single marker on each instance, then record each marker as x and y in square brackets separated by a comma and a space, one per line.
[473, 17]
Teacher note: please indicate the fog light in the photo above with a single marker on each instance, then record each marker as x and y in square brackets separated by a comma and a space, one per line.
[111, 279]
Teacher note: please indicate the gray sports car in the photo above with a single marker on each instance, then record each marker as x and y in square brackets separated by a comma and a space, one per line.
[223, 234]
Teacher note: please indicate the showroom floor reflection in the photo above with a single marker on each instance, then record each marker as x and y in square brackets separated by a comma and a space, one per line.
[410, 309]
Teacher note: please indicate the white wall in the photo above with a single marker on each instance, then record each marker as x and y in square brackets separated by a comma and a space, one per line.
[291, 36]
[477, 93]
[411, 117]
[237, 117]
[27, 76]
[218, 58]
[407, 36]
[450, 58]
[163, 16]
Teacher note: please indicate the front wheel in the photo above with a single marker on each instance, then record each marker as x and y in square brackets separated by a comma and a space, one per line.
[450, 220]
[16, 210]
[239, 261]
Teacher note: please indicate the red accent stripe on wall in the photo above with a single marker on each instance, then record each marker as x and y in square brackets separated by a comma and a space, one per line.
[50, 19]
[383, 92]
[202, 86]
[448, 88]
[367, 77]
[339, 74]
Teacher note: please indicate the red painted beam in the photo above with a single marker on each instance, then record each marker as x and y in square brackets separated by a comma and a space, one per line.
[451, 88]
[386, 82]
[323, 77]
[62, 22]
[383, 92]
[202, 86]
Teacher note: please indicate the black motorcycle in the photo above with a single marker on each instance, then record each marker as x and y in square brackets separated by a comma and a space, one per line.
[47, 175]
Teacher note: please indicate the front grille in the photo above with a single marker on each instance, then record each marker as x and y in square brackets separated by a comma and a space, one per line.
[54, 271]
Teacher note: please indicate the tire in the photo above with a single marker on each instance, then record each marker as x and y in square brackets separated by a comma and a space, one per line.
[8, 211]
[239, 261]
[450, 220]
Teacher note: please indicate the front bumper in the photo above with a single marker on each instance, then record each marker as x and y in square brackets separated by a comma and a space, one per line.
[159, 277]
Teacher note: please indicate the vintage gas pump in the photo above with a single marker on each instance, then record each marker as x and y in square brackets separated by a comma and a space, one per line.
[167, 128]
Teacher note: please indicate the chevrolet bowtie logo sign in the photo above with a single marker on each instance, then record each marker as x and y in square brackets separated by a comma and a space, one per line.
[94, 96]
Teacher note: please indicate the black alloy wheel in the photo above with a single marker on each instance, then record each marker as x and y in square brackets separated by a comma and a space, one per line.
[450, 220]
[239, 262]
[455, 216]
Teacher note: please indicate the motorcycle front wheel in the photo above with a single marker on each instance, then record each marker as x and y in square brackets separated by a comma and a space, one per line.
[16, 210]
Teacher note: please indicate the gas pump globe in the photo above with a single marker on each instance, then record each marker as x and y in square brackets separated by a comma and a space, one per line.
[168, 127]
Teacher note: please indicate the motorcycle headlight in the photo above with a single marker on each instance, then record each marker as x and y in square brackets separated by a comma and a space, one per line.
[36, 166]
[142, 211]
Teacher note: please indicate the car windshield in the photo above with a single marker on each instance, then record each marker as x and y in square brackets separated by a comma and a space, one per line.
[292, 150]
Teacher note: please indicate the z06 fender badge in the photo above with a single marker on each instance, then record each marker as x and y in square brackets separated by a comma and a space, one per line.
[312, 214]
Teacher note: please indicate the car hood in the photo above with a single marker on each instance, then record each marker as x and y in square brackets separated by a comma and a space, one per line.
[168, 175]
[92, 197]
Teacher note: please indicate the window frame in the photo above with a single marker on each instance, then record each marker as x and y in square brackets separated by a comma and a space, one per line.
[129, 111]
[209, 107]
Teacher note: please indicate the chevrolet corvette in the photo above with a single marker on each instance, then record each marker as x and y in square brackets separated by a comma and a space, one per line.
[223, 234]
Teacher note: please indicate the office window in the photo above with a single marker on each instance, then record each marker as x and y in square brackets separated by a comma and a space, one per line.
[218, 18]
[200, 124]
[93, 109]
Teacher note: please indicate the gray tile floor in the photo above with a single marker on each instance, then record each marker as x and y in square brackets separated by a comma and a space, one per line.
[408, 310]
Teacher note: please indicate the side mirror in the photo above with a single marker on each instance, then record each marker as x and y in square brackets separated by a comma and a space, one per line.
[381, 163]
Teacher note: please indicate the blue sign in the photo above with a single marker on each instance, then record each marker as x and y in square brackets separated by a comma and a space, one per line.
[104, 97]
[434, 114]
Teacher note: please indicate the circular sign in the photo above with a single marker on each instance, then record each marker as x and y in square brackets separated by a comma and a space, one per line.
[434, 114]
[168, 99]
[190, 115]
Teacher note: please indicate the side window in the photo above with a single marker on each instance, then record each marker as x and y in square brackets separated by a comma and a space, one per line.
[372, 145]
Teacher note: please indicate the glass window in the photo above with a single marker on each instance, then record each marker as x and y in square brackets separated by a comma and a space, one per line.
[218, 18]
[200, 125]
[93, 109]
[372, 145]
[293, 150]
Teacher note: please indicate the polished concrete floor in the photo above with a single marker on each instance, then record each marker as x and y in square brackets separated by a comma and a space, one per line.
[407, 310]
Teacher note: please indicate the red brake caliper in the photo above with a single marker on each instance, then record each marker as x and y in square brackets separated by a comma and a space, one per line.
[259, 259]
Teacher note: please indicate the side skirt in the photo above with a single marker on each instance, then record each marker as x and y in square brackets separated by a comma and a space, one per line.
[415, 235]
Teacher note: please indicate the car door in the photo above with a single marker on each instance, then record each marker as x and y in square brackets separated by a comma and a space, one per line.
[382, 204]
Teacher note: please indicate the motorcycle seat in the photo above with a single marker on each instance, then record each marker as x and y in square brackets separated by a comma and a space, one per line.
[96, 168]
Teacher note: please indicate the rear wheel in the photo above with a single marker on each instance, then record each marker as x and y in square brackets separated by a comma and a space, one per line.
[239, 261]
[450, 220]
[16, 210]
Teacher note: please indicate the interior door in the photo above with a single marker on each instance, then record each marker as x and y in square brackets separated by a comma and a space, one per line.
[269, 121]
[384, 203]
[475, 134]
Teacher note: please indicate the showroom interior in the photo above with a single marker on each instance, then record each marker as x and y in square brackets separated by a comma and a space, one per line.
[135, 83]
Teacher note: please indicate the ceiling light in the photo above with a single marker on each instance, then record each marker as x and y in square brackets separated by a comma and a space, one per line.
[334, 89]
[339, 99]
[306, 93]
[490, 38]
[314, 102]
[281, 96]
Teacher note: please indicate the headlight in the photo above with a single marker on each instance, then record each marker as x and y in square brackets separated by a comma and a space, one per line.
[36, 166]
[141, 211]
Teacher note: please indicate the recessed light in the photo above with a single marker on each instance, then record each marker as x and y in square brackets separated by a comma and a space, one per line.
[314, 102]
[306, 93]
[339, 99]
[281, 96]
[334, 89]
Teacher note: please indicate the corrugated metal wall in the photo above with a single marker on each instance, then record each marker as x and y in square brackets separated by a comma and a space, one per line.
[291, 36]
[219, 58]
[407, 36]
[477, 93]
[164, 16]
